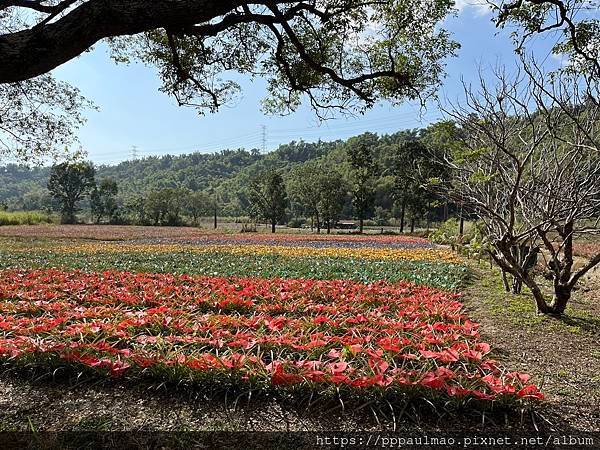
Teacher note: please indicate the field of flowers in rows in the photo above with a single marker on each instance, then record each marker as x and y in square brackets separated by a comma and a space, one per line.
[243, 312]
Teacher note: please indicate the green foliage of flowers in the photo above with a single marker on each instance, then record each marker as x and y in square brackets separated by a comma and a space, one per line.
[440, 275]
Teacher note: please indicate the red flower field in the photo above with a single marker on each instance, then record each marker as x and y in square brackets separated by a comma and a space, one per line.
[284, 332]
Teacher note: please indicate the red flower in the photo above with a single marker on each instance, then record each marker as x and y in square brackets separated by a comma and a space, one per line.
[530, 391]
[280, 378]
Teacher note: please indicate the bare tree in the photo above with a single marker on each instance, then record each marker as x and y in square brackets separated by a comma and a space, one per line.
[529, 167]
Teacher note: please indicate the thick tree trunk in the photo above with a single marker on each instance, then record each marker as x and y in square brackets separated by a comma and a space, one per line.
[412, 224]
[68, 218]
[517, 286]
[542, 306]
[328, 226]
[562, 295]
[361, 224]
[505, 281]
[505, 260]
[273, 224]
[318, 223]
[68, 212]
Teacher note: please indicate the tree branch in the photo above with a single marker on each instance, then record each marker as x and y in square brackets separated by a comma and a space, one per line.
[29, 53]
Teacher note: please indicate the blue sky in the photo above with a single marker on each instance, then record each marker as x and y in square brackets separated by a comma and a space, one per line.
[133, 112]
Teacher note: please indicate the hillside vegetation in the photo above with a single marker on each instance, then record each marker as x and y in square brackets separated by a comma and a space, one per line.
[227, 176]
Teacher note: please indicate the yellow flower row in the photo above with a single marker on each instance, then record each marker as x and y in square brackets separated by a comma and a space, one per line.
[395, 254]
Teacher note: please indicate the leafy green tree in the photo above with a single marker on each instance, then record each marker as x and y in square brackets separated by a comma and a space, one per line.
[39, 118]
[197, 204]
[320, 189]
[137, 210]
[304, 188]
[103, 200]
[69, 183]
[577, 29]
[416, 168]
[362, 174]
[443, 138]
[268, 197]
[164, 206]
[332, 195]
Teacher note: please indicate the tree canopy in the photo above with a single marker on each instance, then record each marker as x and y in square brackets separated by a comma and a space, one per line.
[338, 55]
[69, 183]
[573, 24]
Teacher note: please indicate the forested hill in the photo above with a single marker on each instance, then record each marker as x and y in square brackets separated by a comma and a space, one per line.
[24, 188]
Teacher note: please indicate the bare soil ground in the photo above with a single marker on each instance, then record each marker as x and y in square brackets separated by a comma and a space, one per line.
[563, 355]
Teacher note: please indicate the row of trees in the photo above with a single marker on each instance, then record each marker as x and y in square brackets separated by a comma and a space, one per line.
[365, 177]
[323, 189]
[71, 183]
[523, 157]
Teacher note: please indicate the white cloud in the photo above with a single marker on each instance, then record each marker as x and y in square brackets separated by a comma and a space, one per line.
[478, 8]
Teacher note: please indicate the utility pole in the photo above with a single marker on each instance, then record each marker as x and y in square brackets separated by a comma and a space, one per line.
[264, 138]
[134, 152]
[215, 224]
[215, 206]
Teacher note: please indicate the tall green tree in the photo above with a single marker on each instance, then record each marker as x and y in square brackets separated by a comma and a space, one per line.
[362, 173]
[69, 183]
[443, 138]
[416, 167]
[103, 200]
[304, 188]
[197, 204]
[164, 206]
[268, 197]
[320, 189]
[332, 195]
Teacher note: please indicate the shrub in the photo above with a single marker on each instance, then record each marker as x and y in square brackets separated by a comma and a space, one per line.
[472, 243]
[296, 222]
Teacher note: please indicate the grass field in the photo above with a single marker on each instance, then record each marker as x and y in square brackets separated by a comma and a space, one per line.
[24, 218]
[375, 324]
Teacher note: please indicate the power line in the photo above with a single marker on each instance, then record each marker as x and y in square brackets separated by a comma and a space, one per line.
[262, 138]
